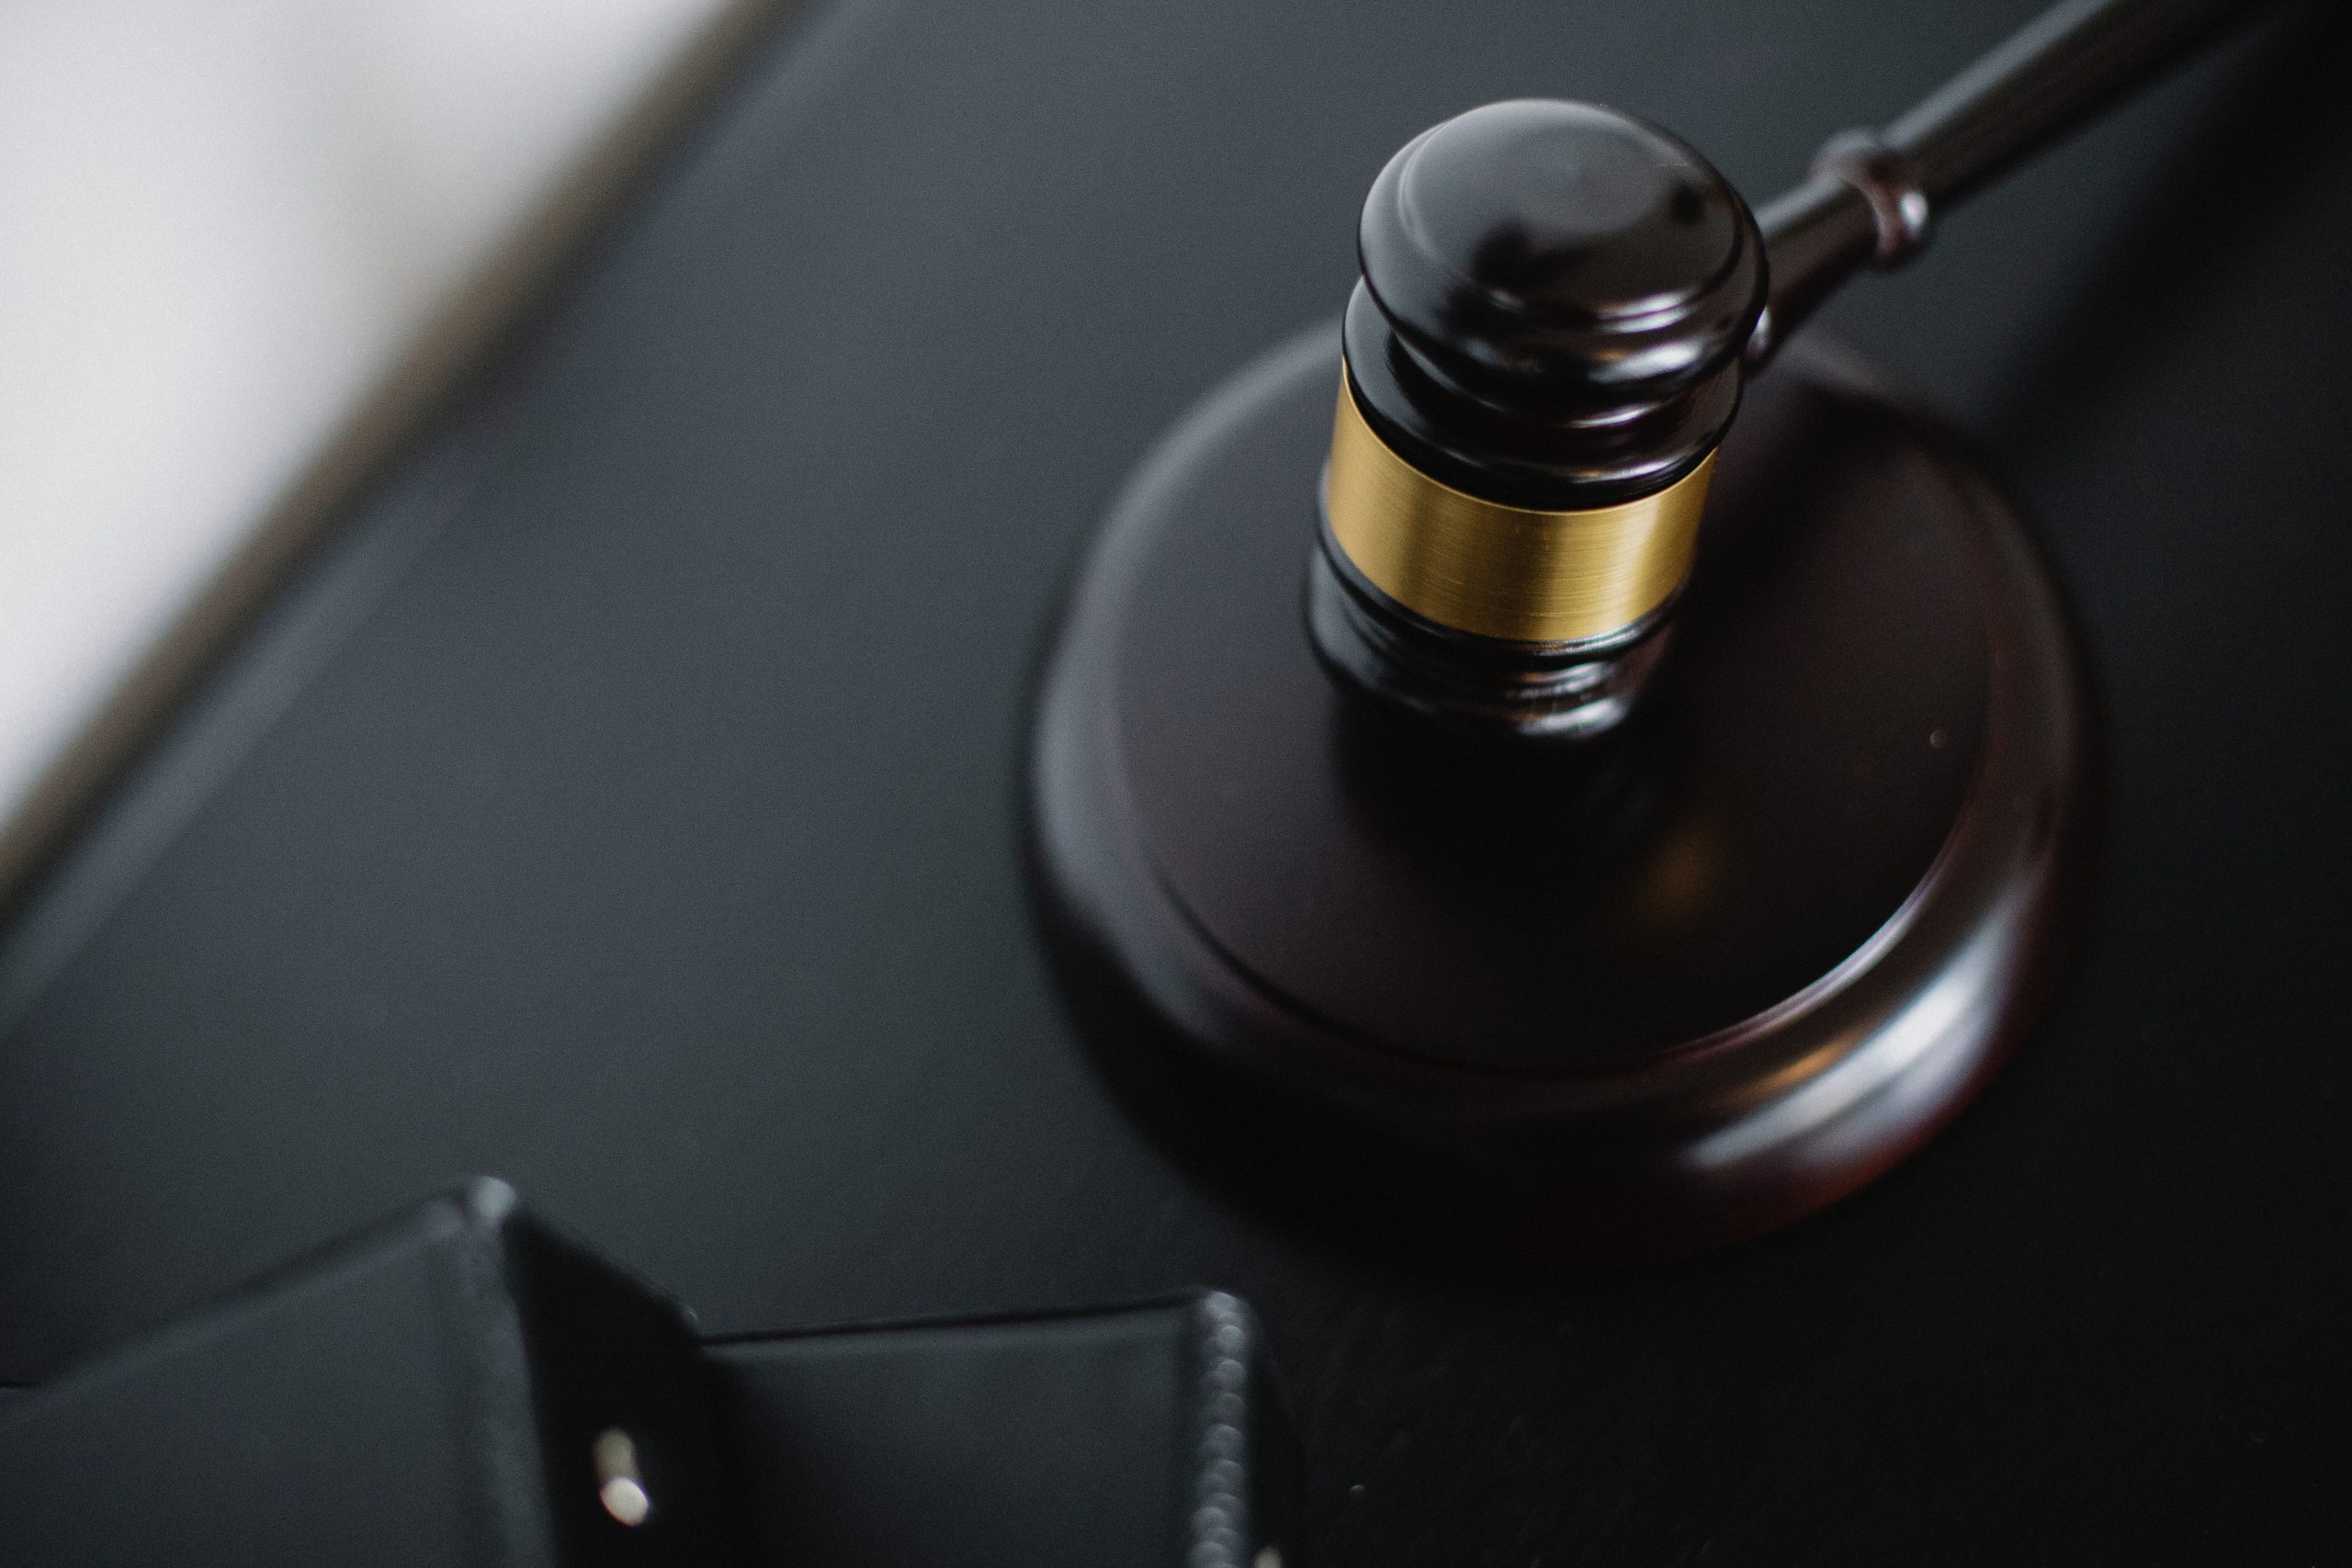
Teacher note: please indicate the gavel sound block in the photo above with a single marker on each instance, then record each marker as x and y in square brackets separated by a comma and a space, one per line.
[1497, 765]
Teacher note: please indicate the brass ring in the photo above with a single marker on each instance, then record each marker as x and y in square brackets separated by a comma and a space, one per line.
[1504, 571]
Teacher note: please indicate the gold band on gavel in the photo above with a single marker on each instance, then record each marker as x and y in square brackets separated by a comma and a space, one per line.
[1504, 571]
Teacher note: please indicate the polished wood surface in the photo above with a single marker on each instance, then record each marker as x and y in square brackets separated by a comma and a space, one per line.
[1555, 299]
[1624, 998]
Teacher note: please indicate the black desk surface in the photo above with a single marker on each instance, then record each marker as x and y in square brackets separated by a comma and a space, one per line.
[625, 803]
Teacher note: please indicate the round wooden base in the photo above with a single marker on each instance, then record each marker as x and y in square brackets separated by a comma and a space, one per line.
[1623, 999]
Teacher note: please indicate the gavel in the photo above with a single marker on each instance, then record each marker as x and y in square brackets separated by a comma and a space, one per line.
[1560, 306]
[1543, 854]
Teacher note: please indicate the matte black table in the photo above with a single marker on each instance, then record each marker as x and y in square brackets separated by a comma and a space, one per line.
[624, 801]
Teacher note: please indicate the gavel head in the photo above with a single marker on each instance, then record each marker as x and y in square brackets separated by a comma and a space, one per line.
[1540, 361]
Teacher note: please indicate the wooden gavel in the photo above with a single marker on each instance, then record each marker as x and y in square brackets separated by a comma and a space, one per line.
[1559, 307]
[1619, 998]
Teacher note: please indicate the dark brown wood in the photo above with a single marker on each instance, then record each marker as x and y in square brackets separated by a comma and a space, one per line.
[1554, 303]
[1555, 299]
[1645, 996]
[2051, 75]
[1558, 303]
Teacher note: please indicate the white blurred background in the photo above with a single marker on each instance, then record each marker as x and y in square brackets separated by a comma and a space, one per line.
[221, 222]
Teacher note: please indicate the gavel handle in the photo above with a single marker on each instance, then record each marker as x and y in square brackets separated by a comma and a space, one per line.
[1872, 196]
